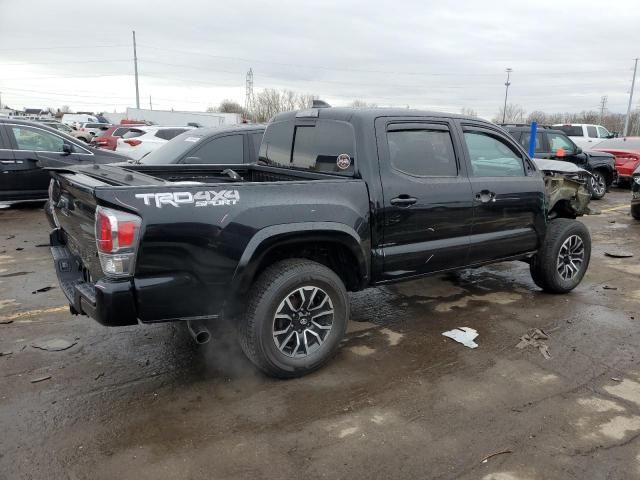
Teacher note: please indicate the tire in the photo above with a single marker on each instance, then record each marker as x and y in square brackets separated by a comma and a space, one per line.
[597, 185]
[635, 211]
[258, 326]
[547, 271]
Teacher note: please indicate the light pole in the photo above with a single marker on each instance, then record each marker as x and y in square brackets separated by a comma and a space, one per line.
[506, 93]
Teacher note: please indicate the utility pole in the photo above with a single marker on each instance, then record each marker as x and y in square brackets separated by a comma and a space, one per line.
[603, 107]
[150, 103]
[135, 66]
[633, 84]
[506, 93]
[248, 100]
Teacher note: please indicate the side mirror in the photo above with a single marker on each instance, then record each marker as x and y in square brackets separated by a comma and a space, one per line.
[612, 135]
[578, 150]
[560, 153]
[67, 149]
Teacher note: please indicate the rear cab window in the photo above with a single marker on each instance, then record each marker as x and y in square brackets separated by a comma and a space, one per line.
[323, 145]
[571, 130]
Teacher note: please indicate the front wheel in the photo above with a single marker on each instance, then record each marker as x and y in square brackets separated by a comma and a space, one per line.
[598, 184]
[563, 259]
[296, 316]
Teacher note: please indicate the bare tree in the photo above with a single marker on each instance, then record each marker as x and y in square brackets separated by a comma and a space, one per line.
[65, 109]
[468, 112]
[512, 114]
[270, 101]
[229, 106]
[362, 104]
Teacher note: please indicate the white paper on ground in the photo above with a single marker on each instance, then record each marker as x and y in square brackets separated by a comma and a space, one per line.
[463, 335]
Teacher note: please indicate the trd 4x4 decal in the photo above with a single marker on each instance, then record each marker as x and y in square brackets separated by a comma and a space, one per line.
[199, 199]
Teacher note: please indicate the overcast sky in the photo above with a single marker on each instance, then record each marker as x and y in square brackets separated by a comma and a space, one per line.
[565, 55]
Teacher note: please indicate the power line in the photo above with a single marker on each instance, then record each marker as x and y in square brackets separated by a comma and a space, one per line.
[383, 72]
[64, 47]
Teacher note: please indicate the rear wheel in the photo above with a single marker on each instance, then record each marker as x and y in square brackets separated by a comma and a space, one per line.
[296, 316]
[598, 185]
[563, 259]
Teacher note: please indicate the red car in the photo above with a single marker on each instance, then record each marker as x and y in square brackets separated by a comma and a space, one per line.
[627, 153]
[108, 139]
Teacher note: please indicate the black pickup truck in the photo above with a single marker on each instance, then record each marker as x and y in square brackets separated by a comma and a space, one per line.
[340, 200]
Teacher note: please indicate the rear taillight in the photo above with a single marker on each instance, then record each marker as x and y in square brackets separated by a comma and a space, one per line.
[133, 142]
[117, 235]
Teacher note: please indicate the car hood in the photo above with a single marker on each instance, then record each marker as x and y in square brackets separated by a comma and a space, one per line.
[558, 166]
[599, 154]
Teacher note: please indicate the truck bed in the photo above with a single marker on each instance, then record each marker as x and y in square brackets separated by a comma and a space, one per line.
[138, 175]
[198, 225]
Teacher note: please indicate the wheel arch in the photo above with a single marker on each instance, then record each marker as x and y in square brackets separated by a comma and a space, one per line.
[312, 240]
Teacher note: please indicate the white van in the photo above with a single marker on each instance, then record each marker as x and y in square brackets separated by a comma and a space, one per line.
[75, 119]
[585, 135]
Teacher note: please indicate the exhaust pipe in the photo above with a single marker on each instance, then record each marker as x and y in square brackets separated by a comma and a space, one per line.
[199, 332]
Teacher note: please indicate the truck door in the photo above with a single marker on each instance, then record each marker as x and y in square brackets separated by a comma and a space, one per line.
[508, 196]
[427, 197]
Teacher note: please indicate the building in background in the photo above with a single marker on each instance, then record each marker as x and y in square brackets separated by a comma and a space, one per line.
[175, 118]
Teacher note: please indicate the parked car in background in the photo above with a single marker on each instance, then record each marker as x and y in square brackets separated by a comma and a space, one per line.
[108, 138]
[585, 135]
[62, 127]
[210, 145]
[635, 194]
[139, 141]
[627, 155]
[556, 145]
[75, 119]
[87, 131]
[27, 146]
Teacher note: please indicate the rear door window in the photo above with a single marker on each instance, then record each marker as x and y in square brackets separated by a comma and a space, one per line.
[526, 137]
[422, 151]
[133, 133]
[327, 146]
[221, 150]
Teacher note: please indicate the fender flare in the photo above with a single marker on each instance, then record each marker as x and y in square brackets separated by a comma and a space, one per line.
[274, 236]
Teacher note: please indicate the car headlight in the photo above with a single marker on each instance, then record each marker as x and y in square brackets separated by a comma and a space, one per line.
[637, 179]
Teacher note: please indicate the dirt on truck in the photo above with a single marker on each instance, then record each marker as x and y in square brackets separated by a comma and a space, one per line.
[340, 200]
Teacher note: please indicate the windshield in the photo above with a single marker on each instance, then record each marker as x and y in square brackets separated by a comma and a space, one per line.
[632, 143]
[173, 150]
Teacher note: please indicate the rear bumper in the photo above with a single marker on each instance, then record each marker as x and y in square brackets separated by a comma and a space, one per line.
[110, 302]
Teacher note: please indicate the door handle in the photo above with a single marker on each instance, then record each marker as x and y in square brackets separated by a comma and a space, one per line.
[403, 200]
[485, 196]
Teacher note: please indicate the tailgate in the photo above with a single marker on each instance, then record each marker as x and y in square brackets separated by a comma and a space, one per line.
[72, 205]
